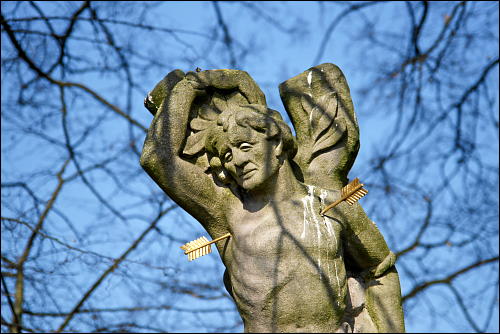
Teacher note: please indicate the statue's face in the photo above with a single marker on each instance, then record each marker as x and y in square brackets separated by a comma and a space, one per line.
[249, 157]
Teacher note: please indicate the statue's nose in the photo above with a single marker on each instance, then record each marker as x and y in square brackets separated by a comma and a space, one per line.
[240, 158]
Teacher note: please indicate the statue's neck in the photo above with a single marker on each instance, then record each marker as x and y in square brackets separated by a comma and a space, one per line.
[279, 187]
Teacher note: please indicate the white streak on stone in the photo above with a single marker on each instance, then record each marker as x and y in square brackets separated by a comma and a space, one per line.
[306, 217]
[330, 228]
[327, 222]
[337, 276]
[322, 196]
[328, 263]
[310, 217]
[309, 81]
[319, 253]
[310, 198]
[331, 232]
[312, 214]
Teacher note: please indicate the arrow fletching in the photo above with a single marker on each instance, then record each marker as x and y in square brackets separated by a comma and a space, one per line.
[351, 193]
[201, 246]
[197, 248]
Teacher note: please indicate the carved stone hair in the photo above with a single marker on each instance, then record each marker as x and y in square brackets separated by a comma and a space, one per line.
[259, 118]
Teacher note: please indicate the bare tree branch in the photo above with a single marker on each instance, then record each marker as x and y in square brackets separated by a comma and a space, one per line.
[19, 293]
[115, 265]
[14, 327]
[448, 279]
[228, 40]
[336, 21]
[31, 64]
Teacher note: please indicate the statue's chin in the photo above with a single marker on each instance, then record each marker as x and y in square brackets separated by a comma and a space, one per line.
[249, 185]
[252, 183]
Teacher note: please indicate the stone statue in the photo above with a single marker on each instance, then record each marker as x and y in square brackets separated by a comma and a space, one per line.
[219, 152]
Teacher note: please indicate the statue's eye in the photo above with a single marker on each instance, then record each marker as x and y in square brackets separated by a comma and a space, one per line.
[228, 156]
[245, 147]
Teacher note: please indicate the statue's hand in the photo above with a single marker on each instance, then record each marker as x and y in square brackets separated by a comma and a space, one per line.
[227, 80]
[197, 82]
[162, 90]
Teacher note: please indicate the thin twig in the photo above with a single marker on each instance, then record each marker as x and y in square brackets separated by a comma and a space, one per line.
[116, 263]
[447, 280]
[19, 293]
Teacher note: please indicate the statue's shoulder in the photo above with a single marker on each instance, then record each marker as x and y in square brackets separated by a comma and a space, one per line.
[322, 193]
[344, 212]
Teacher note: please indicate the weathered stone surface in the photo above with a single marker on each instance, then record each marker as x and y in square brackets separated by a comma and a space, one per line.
[288, 268]
[160, 92]
[322, 93]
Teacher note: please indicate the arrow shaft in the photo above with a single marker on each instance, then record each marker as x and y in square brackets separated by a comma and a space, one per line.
[343, 198]
[227, 235]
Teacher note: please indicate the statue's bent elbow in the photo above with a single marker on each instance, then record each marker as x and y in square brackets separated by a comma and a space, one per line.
[148, 157]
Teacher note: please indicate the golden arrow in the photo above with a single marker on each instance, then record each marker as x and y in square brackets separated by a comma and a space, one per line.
[201, 246]
[351, 193]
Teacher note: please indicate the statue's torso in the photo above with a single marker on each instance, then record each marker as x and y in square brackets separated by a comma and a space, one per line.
[286, 268]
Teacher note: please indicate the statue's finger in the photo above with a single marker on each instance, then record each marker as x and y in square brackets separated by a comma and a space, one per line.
[233, 79]
[196, 80]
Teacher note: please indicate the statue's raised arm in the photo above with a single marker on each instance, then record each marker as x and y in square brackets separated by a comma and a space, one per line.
[319, 104]
[186, 109]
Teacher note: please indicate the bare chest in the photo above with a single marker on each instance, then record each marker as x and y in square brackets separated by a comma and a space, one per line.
[292, 230]
[276, 252]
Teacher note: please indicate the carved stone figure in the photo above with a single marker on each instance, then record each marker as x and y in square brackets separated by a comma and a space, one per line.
[219, 152]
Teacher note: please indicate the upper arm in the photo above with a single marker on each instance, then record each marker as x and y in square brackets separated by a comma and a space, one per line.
[188, 186]
[364, 243]
[185, 182]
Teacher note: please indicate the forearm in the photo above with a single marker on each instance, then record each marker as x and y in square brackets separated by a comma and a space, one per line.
[368, 249]
[168, 128]
[383, 302]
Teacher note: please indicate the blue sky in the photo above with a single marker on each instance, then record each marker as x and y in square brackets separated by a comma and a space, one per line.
[274, 58]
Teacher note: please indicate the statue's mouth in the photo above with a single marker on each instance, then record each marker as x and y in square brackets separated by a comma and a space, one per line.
[247, 174]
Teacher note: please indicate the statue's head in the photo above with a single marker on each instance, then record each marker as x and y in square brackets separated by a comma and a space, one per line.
[249, 143]
[246, 144]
